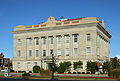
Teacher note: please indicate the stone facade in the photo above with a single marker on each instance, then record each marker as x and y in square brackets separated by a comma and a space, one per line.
[72, 40]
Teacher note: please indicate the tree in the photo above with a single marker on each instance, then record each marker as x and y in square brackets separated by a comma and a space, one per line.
[77, 65]
[65, 66]
[92, 66]
[36, 69]
[106, 67]
[115, 63]
[53, 69]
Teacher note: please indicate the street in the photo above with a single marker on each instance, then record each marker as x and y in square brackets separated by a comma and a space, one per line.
[9, 79]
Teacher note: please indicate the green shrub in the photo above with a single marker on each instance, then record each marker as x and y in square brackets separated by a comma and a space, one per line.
[88, 73]
[19, 71]
[74, 72]
[36, 69]
[83, 72]
[25, 74]
[23, 71]
[30, 71]
[64, 66]
[78, 72]
[12, 70]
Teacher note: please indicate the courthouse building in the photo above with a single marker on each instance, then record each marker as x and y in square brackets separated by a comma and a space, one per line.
[72, 40]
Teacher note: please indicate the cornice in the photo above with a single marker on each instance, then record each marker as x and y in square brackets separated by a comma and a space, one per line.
[56, 28]
[103, 30]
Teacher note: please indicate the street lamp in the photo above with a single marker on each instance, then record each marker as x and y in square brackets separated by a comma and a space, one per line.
[53, 65]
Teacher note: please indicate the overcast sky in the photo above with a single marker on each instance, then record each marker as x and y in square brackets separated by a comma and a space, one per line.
[31, 12]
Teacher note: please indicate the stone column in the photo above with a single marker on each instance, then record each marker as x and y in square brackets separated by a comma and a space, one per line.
[40, 47]
[33, 47]
[47, 46]
[55, 45]
[71, 45]
[63, 46]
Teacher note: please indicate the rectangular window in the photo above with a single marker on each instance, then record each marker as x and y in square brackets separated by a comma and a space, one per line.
[19, 42]
[88, 37]
[59, 52]
[18, 65]
[35, 63]
[44, 41]
[28, 65]
[51, 40]
[67, 39]
[75, 51]
[30, 53]
[75, 38]
[19, 53]
[67, 52]
[98, 51]
[51, 52]
[37, 53]
[30, 41]
[59, 40]
[88, 50]
[44, 52]
[37, 41]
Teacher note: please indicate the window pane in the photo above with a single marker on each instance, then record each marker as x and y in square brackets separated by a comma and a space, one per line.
[19, 53]
[28, 65]
[59, 52]
[44, 52]
[37, 41]
[18, 65]
[58, 40]
[35, 63]
[19, 42]
[67, 39]
[88, 50]
[67, 52]
[30, 41]
[30, 53]
[98, 51]
[37, 53]
[75, 38]
[44, 41]
[51, 52]
[88, 37]
[75, 51]
[51, 40]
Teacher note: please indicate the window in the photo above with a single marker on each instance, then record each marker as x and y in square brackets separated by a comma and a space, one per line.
[30, 41]
[37, 41]
[98, 51]
[67, 52]
[35, 63]
[44, 52]
[75, 51]
[51, 40]
[67, 39]
[30, 53]
[88, 50]
[88, 37]
[51, 52]
[75, 38]
[28, 65]
[59, 40]
[18, 65]
[44, 41]
[37, 53]
[19, 42]
[19, 53]
[59, 52]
